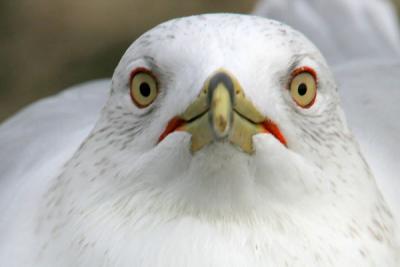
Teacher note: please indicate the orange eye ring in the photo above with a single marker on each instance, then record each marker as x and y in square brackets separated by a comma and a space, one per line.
[303, 86]
[143, 87]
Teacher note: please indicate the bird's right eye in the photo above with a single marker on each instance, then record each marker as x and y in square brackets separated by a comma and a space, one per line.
[144, 88]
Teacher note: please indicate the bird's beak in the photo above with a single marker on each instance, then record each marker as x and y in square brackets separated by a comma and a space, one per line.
[221, 112]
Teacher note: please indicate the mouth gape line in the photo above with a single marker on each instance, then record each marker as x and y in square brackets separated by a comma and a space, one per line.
[222, 112]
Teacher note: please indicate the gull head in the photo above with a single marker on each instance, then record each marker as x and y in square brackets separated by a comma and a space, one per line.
[220, 114]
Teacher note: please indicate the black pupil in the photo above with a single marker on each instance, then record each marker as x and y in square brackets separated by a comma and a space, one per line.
[302, 89]
[145, 89]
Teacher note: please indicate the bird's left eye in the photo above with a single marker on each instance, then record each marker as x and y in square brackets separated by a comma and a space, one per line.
[303, 87]
[144, 89]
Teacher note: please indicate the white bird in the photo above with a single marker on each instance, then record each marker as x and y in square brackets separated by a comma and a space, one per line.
[222, 143]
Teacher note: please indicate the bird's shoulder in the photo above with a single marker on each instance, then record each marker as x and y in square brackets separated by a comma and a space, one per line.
[370, 94]
[52, 128]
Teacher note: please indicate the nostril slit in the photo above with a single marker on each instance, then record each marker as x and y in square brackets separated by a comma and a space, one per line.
[222, 123]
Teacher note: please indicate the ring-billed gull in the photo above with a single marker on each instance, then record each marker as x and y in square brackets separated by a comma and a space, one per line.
[222, 143]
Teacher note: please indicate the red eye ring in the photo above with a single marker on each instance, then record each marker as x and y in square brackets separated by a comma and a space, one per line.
[308, 69]
[306, 97]
[141, 70]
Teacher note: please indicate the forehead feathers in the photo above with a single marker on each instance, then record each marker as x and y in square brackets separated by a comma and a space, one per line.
[201, 44]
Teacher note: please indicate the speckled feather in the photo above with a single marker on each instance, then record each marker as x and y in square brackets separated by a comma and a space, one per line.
[123, 200]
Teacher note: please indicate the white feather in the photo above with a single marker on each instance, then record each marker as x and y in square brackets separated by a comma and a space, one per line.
[370, 96]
